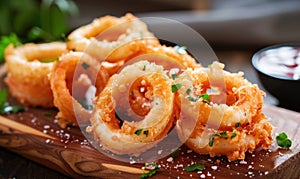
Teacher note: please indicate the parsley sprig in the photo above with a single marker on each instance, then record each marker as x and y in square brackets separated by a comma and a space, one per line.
[283, 141]
[194, 167]
[5, 107]
[212, 137]
[151, 172]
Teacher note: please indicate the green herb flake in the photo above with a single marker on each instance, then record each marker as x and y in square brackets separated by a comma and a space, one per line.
[151, 172]
[144, 68]
[233, 135]
[283, 141]
[180, 49]
[146, 132]
[211, 140]
[192, 99]
[5, 41]
[176, 87]
[138, 132]
[222, 134]
[188, 91]
[174, 76]
[50, 60]
[205, 97]
[194, 167]
[5, 107]
[85, 65]
[238, 124]
[175, 153]
[132, 93]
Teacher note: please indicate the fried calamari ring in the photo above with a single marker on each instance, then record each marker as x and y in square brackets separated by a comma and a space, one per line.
[241, 99]
[233, 143]
[112, 39]
[71, 78]
[207, 125]
[168, 57]
[28, 67]
[134, 111]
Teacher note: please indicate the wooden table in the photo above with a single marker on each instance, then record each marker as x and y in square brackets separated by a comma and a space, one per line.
[286, 162]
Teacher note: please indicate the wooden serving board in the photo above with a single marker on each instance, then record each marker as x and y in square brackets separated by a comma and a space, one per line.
[38, 137]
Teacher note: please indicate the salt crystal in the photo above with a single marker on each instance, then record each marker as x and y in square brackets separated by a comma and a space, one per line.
[214, 167]
[159, 152]
[243, 162]
[170, 159]
[46, 127]
[48, 141]
[202, 176]
[189, 151]
[266, 173]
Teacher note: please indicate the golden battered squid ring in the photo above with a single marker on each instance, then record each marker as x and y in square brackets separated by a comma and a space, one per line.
[232, 143]
[241, 99]
[231, 128]
[112, 39]
[74, 79]
[135, 110]
[168, 57]
[28, 67]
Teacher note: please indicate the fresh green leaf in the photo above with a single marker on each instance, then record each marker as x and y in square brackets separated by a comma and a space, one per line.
[205, 97]
[5, 108]
[175, 153]
[233, 135]
[146, 132]
[283, 141]
[85, 65]
[138, 132]
[188, 91]
[174, 76]
[211, 140]
[3, 96]
[194, 167]
[5, 41]
[151, 172]
[49, 60]
[176, 87]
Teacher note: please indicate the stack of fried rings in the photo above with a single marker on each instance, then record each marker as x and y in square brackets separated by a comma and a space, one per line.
[231, 128]
[136, 108]
[28, 67]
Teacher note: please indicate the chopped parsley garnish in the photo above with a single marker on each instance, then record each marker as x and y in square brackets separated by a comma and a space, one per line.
[138, 132]
[174, 76]
[192, 99]
[132, 93]
[194, 167]
[5, 41]
[144, 68]
[180, 49]
[212, 137]
[205, 97]
[85, 65]
[50, 60]
[151, 172]
[238, 124]
[175, 153]
[176, 87]
[146, 132]
[5, 107]
[283, 141]
[188, 91]
[233, 135]
[85, 105]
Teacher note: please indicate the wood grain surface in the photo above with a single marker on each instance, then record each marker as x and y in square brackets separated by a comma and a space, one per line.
[38, 137]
